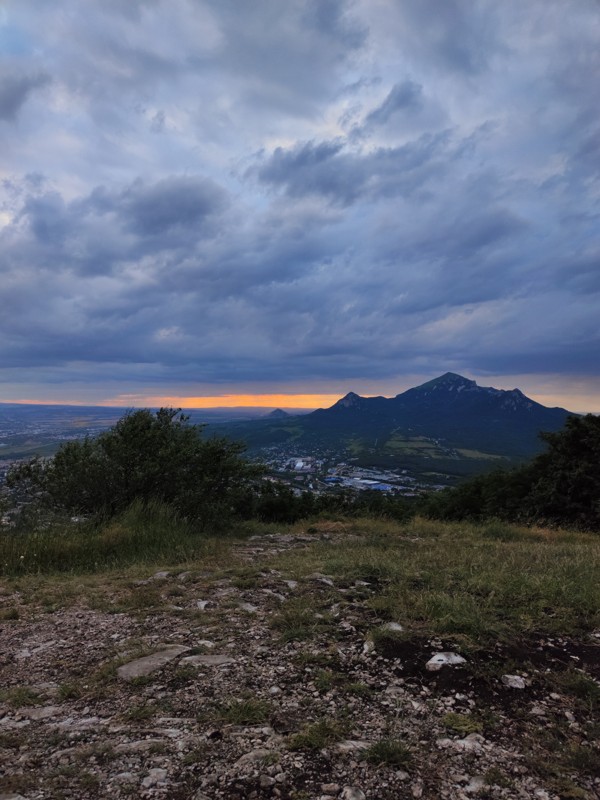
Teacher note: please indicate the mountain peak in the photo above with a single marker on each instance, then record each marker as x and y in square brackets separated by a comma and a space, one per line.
[278, 413]
[350, 400]
[449, 381]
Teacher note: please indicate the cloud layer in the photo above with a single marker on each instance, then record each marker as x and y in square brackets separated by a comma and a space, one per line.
[205, 193]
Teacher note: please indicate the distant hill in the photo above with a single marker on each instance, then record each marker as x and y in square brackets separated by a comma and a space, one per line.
[445, 421]
[277, 413]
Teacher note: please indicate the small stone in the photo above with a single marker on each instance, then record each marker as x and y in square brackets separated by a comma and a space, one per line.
[470, 744]
[319, 578]
[475, 784]
[440, 660]
[253, 757]
[154, 776]
[392, 627]
[513, 681]
[125, 777]
[273, 690]
[201, 604]
[248, 608]
[330, 788]
[417, 789]
[351, 746]
[160, 576]
[401, 775]
[353, 793]
[291, 584]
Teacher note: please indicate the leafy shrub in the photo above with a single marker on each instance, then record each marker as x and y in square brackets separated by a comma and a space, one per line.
[148, 457]
[560, 486]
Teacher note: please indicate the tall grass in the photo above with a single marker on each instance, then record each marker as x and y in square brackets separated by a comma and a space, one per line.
[476, 583]
[471, 583]
[144, 534]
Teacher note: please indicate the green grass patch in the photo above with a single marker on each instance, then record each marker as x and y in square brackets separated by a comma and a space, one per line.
[474, 584]
[359, 690]
[391, 752]
[139, 713]
[325, 680]
[325, 659]
[462, 723]
[19, 696]
[318, 735]
[244, 712]
[578, 685]
[70, 690]
[144, 534]
[300, 619]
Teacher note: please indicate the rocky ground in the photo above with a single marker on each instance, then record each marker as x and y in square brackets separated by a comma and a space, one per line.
[258, 684]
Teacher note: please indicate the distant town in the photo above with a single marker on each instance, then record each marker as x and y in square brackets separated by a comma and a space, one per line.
[325, 472]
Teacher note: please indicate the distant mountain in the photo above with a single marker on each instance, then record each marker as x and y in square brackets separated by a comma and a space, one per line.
[446, 420]
[278, 413]
[455, 410]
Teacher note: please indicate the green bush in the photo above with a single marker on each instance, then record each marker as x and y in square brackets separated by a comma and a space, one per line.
[559, 487]
[147, 457]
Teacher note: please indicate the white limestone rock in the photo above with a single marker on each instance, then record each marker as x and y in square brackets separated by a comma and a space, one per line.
[440, 660]
[514, 681]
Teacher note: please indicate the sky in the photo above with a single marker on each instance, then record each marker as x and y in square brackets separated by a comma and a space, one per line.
[220, 202]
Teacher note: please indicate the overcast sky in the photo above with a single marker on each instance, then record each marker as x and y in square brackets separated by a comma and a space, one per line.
[222, 197]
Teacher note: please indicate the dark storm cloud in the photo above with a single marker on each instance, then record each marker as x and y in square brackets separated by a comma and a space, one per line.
[175, 202]
[48, 218]
[403, 96]
[14, 91]
[343, 176]
[221, 192]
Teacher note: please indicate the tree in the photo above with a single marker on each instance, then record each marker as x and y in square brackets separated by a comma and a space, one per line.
[145, 456]
[566, 487]
[560, 486]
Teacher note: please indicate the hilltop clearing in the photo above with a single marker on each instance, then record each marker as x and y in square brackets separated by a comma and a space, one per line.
[297, 664]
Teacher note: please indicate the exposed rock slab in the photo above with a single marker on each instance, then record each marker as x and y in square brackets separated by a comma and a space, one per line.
[149, 664]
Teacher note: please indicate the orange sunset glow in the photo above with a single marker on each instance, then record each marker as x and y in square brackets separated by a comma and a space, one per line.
[229, 401]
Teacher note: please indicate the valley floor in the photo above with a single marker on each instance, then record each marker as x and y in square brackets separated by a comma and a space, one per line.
[271, 670]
